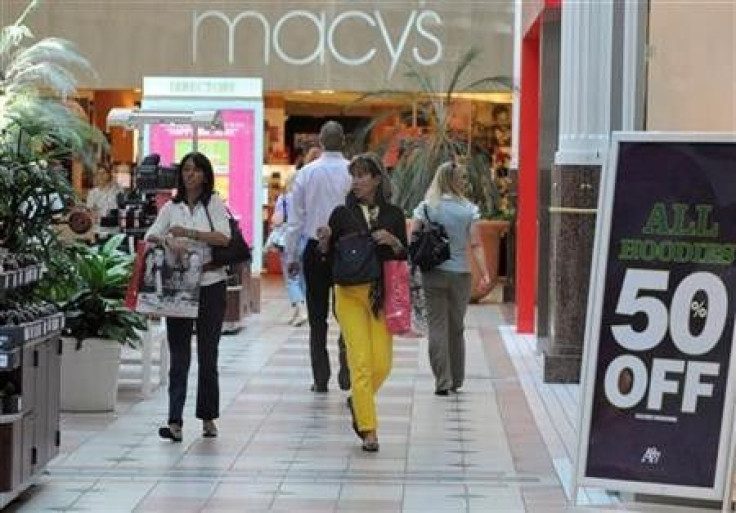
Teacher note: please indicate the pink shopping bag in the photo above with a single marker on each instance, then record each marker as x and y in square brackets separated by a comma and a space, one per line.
[396, 298]
[134, 285]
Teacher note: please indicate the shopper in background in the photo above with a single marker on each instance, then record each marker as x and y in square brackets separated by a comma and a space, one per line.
[103, 197]
[358, 307]
[295, 287]
[447, 287]
[182, 223]
[306, 155]
[318, 188]
[312, 154]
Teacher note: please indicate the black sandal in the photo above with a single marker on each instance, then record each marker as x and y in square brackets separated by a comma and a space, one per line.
[171, 432]
[370, 446]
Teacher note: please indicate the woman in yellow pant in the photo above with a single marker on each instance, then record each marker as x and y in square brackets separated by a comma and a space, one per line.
[358, 305]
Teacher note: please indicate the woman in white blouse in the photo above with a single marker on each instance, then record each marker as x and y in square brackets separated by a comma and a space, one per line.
[104, 196]
[182, 223]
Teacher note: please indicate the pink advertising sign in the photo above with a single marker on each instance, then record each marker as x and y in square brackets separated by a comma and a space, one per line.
[231, 151]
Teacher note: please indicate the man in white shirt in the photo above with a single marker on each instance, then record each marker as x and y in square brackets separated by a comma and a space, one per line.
[319, 187]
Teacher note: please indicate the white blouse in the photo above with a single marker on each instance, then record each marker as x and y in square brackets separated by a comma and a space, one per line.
[103, 200]
[179, 214]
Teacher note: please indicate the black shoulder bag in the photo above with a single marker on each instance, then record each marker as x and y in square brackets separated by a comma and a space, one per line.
[236, 251]
[429, 246]
[355, 258]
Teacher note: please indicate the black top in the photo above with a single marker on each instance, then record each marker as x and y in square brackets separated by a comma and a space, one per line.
[344, 220]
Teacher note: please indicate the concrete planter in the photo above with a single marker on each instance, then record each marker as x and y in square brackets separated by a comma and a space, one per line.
[89, 376]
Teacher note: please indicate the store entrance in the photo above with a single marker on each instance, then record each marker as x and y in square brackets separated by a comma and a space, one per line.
[301, 132]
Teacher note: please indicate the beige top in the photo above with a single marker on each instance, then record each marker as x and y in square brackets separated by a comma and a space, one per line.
[179, 214]
[103, 200]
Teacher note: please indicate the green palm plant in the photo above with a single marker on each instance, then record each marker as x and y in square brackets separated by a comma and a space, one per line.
[415, 168]
[35, 84]
[38, 128]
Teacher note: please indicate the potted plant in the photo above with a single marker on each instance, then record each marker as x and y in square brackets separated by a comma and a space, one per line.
[422, 154]
[39, 129]
[97, 324]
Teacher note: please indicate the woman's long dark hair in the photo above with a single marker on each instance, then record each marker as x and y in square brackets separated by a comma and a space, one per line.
[200, 161]
[372, 163]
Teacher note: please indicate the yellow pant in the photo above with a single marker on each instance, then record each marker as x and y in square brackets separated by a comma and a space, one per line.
[369, 347]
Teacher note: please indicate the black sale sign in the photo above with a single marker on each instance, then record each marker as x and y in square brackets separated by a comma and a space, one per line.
[658, 385]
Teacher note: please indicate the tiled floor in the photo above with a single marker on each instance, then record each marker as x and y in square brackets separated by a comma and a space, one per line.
[282, 448]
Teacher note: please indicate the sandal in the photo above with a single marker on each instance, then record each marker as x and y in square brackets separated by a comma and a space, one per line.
[355, 423]
[171, 432]
[209, 429]
[370, 444]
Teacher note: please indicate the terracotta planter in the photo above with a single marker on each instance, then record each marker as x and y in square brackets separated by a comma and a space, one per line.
[273, 262]
[490, 235]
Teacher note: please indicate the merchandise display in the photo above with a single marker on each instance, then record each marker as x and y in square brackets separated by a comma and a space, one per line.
[138, 209]
[239, 297]
[18, 270]
[30, 359]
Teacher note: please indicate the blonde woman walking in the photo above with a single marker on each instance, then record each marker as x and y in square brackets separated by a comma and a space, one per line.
[447, 287]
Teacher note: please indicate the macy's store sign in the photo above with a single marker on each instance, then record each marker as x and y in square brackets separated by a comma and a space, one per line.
[329, 29]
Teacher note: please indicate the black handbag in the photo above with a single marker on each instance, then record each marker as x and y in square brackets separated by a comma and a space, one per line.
[236, 251]
[430, 246]
[355, 260]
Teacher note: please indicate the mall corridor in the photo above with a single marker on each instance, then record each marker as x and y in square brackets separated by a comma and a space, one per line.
[283, 448]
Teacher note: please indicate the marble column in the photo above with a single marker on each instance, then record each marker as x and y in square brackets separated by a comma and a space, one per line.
[509, 287]
[572, 219]
[584, 130]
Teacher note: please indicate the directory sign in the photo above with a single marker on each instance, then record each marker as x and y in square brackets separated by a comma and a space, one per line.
[231, 152]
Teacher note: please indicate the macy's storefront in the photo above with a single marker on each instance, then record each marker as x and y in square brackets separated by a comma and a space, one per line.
[315, 57]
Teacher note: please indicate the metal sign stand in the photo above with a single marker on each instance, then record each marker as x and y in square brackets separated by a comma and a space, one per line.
[728, 485]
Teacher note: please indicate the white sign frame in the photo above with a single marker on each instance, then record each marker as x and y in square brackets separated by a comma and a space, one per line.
[722, 480]
[219, 93]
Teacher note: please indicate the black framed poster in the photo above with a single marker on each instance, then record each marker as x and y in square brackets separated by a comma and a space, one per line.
[657, 403]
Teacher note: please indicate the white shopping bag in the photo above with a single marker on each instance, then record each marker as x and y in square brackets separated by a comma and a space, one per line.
[170, 282]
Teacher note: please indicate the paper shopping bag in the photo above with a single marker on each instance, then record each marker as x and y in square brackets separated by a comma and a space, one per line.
[134, 285]
[170, 282]
[396, 298]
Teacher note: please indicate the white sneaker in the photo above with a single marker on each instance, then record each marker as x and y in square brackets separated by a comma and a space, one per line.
[301, 320]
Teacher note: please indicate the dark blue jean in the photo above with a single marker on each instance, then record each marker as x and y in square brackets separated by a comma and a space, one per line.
[179, 332]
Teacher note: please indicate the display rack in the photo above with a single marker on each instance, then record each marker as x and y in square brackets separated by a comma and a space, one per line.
[30, 378]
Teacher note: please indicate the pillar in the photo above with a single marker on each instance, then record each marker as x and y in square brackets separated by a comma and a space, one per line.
[526, 246]
[584, 130]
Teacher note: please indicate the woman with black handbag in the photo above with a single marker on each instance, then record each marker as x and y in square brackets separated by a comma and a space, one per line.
[447, 285]
[362, 234]
[195, 216]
